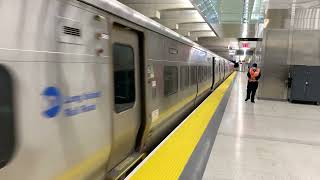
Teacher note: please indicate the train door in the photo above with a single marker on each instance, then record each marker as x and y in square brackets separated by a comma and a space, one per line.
[220, 74]
[127, 92]
[213, 71]
[224, 69]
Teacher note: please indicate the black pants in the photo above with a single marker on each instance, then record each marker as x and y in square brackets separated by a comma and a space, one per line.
[251, 90]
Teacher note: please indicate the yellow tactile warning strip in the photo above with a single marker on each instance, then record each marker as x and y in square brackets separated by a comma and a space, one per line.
[169, 159]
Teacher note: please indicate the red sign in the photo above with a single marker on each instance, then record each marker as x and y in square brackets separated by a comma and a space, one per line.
[245, 45]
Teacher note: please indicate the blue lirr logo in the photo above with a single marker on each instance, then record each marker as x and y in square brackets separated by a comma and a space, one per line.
[55, 99]
[68, 105]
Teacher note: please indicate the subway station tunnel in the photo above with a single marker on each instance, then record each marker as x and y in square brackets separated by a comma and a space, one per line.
[160, 89]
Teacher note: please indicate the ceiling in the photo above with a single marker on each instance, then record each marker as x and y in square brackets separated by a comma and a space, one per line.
[287, 4]
[178, 15]
[215, 24]
[203, 21]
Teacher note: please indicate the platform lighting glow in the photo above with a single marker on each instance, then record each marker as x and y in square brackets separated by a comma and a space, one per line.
[240, 119]
[115, 4]
[245, 30]
[258, 10]
[266, 22]
[155, 23]
[245, 18]
[187, 2]
[139, 16]
[208, 9]
[244, 51]
[245, 11]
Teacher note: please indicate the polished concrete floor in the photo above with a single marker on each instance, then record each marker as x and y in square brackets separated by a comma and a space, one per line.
[268, 140]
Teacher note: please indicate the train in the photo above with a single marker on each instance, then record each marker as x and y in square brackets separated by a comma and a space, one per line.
[89, 87]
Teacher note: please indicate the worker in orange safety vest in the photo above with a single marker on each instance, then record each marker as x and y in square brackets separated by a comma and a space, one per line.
[254, 75]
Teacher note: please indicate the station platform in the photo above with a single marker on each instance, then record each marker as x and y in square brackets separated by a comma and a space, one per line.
[268, 140]
[226, 138]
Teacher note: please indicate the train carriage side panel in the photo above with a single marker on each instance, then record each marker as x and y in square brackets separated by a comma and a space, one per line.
[167, 60]
[61, 88]
[62, 59]
[204, 83]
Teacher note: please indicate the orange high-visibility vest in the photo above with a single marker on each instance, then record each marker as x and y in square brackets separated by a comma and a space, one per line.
[254, 74]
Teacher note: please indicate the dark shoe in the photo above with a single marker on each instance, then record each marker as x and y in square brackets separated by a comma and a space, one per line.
[253, 101]
[246, 99]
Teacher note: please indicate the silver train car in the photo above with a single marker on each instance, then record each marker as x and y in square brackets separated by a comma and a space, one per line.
[89, 87]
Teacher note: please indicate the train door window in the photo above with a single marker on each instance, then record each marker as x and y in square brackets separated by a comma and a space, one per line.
[208, 72]
[205, 73]
[200, 74]
[213, 70]
[184, 77]
[193, 75]
[124, 80]
[7, 138]
[170, 80]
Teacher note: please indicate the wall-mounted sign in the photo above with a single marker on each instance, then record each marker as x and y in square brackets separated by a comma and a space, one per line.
[245, 45]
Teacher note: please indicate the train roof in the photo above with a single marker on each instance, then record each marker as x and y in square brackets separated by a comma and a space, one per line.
[123, 11]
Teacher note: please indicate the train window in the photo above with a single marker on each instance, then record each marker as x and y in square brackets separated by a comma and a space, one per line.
[170, 80]
[200, 74]
[124, 81]
[193, 75]
[7, 131]
[204, 73]
[184, 77]
[208, 72]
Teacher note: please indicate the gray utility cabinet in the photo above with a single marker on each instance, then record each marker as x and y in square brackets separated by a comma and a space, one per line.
[305, 85]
